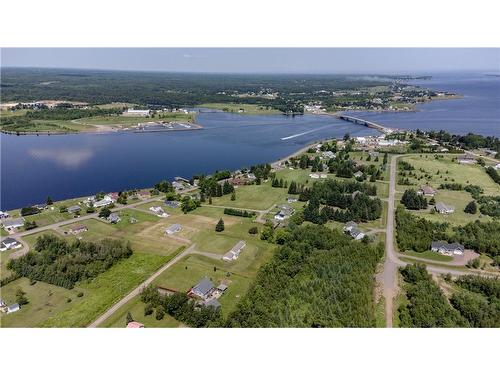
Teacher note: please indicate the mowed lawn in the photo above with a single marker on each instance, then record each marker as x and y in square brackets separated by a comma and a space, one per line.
[457, 173]
[457, 199]
[257, 197]
[142, 235]
[106, 289]
[188, 272]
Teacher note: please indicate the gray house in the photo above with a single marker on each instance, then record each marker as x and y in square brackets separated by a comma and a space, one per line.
[203, 289]
[446, 248]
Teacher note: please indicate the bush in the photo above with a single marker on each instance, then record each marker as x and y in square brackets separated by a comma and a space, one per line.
[253, 230]
[80, 294]
[148, 310]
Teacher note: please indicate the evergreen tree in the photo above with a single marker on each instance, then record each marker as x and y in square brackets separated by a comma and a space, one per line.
[233, 195]
[49, 201]
[471, 208]
[220, 225]
[129, 318]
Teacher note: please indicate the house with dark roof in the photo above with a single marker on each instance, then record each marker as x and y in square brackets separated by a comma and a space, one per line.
[446, 248]
[466, 159]
[114, 218]
[203, 289]
[11, 224]
[74, 209]
[174, 228]
[427, 191]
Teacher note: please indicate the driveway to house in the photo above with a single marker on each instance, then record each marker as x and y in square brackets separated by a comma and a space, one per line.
[138, 290]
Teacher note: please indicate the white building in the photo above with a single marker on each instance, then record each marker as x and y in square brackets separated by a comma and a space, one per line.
[158, 211]
[174, 228]
[234, 253]
[137, 112]
[444, 209]
[9, 243]
[313, 175]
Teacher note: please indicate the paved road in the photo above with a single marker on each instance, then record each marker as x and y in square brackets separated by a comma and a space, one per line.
[138, 290]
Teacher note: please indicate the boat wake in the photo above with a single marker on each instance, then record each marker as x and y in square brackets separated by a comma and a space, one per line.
[304, 133]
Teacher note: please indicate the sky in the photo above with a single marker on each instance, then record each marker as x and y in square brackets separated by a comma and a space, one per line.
[259, 60]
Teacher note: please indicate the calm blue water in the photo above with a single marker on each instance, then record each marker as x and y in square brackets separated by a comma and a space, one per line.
[81, 164]
[478, 112]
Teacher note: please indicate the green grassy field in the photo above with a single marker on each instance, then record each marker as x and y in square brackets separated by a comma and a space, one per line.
[248, 109]
[457, 199]
[457, 173]
[258, 197]
[106, 289]
[429, 255]
[45, 301]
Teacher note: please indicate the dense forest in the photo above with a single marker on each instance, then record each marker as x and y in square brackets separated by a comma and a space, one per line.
[479, 301]
[317, 278]
[59, 262]
[341, 201]
[427, 306]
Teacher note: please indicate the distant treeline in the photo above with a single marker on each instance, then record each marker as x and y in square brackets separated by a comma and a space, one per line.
[176, 89]
[469, 141]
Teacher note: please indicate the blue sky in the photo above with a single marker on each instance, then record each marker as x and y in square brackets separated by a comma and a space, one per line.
[260, 60]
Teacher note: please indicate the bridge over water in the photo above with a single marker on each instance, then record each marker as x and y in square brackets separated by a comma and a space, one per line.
[369, 124]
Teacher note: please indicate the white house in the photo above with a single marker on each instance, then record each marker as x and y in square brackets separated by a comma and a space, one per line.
[158, 211]
[107, 200]
[4, 215]
[497, 167]
[13, 308]
[9, 243]
[358, 174]
[444, 209]
[234, 253]
[449, 249]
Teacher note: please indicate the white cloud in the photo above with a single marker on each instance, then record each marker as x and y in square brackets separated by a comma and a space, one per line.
[67, 158]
